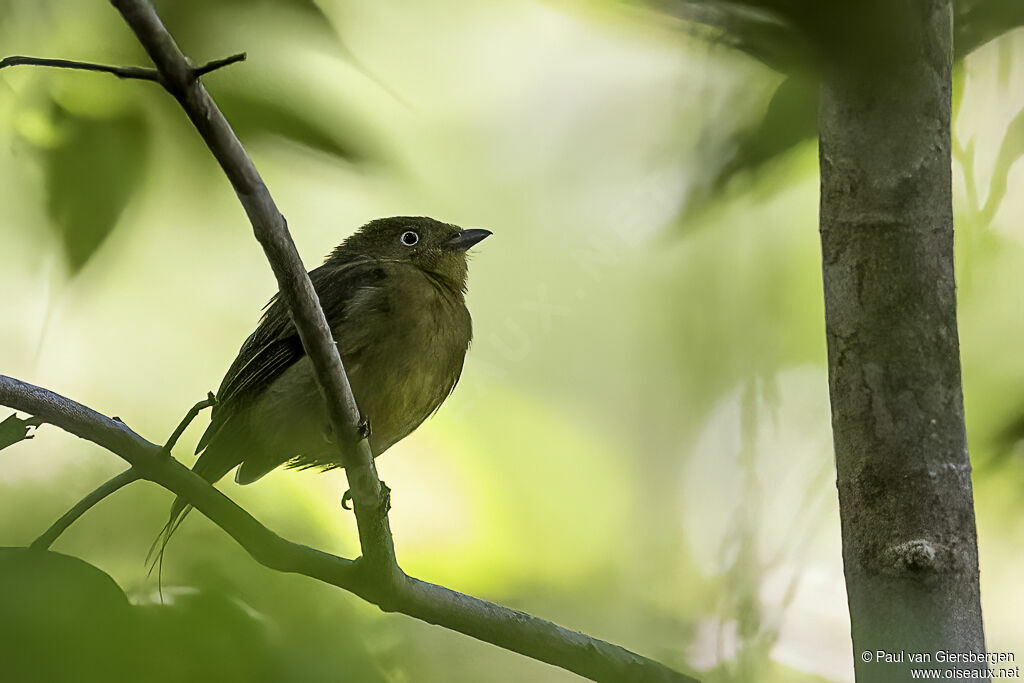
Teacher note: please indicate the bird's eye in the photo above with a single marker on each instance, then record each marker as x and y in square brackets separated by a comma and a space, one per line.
[410, 238]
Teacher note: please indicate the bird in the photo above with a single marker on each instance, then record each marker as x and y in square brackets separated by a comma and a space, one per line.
[393, 294]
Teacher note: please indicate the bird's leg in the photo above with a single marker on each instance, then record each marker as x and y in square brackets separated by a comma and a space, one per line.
[363, 432]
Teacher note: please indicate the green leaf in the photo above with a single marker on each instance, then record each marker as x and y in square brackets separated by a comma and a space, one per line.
[746, 26]
[188, 17]
[776, 32]
[791, 118]
[977, 22]
[63, 620]
[208, 30]
[91, 174]
[254, 114]
[209, 631]
[14, 429]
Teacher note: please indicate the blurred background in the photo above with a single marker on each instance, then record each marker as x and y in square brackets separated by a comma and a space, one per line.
[639, 447]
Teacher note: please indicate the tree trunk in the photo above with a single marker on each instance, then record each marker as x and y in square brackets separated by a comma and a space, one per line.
[904, 477]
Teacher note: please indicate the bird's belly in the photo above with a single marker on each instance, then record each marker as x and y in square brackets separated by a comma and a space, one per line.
[398, 388]
[289, 417]
[397, 385]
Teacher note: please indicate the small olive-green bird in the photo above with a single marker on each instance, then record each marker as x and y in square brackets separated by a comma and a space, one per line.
[394, 297]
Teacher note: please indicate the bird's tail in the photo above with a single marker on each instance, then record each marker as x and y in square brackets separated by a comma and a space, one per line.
[213, 464]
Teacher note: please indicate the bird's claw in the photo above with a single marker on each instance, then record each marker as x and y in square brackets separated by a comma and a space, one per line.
[363, 428]
[385, 498]
[362, 431]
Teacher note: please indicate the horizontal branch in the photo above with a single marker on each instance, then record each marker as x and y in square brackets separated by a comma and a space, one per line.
[151, 463]
[127, 72]
[138, 73]
[510, 629]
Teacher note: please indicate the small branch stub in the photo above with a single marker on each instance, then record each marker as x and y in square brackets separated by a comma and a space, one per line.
[193, 412]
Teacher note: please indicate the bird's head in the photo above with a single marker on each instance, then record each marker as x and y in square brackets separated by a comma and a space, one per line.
[436, 247]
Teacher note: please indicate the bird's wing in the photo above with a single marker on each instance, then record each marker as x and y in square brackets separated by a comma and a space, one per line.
[275, 345]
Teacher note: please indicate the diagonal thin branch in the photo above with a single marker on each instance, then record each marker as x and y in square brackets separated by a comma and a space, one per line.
[271, 231]
[510, 629]
[105, 489]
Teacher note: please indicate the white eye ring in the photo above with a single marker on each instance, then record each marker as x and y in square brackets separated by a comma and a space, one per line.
[410, 238]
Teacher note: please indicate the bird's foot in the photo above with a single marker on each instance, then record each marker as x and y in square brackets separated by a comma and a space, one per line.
[385, 498]
[363, 428]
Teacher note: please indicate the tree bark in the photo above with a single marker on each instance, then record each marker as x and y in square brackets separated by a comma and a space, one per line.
[904, 476]
[909, 542]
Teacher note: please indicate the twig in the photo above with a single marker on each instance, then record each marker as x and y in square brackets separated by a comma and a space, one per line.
[207, 402]
[125, 72]
[83, 506]
[487, 621]
[217, 64]
[297, 292]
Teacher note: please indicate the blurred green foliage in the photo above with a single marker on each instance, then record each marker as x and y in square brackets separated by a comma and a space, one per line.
[63, 619]
[787, 37]
[108, 153]
[639, 447]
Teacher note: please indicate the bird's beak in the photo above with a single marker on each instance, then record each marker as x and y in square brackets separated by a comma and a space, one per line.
[464, 239]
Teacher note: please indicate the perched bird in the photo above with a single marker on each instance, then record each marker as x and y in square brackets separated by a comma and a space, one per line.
[394, 297]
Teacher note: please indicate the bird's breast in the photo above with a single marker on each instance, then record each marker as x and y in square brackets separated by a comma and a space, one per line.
[409, 356]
